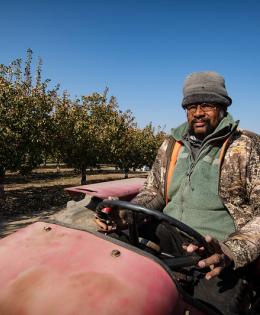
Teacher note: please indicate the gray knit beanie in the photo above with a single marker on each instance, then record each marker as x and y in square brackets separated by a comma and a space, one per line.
[205, 87]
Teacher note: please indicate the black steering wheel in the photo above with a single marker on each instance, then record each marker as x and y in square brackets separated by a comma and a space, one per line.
[161, 217]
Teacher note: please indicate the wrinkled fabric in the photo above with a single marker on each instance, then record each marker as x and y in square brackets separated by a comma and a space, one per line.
[239, 189]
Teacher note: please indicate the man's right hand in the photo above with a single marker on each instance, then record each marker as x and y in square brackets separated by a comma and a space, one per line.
[221, 258]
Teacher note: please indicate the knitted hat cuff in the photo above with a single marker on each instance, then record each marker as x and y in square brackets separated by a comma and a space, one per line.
[211, 98]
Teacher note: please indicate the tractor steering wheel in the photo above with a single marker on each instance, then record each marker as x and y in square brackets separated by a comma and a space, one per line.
[161, 217]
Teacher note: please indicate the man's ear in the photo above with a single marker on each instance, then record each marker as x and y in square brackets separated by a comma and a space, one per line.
[222, 113]
[225, 111]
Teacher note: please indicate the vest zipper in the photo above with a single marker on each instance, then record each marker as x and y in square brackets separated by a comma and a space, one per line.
[194, 162]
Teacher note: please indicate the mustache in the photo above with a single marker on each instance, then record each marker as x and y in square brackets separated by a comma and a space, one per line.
[194, 121]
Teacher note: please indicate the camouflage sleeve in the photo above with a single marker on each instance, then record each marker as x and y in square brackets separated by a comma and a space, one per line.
[152, 195]
[242, 199]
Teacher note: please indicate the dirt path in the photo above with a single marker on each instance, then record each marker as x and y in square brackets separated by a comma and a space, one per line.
[41, 196]
[78, 216]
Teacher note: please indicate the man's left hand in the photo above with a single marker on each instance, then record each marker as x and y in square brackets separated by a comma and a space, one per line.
[221, 259]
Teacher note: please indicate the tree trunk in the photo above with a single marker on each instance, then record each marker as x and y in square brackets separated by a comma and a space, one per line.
[126, 172]
[58, 166]
[2, 179]
[83, 174]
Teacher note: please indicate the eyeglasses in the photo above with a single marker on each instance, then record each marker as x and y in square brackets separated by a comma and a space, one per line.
[204, 107]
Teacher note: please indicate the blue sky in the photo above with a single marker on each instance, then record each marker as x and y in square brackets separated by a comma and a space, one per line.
[142, 50]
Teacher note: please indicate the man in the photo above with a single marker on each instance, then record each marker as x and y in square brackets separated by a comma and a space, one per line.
[214, 188]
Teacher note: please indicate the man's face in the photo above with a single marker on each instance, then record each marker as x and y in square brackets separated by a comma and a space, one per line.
[204, 118]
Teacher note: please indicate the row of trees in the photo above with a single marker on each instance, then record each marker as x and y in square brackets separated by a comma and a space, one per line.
[39, 123]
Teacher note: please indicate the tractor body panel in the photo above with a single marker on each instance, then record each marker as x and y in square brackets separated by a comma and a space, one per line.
[50, 269]
[124, 189]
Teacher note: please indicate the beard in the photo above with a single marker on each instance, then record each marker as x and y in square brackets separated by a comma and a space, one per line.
[201, 133]
[210, 125]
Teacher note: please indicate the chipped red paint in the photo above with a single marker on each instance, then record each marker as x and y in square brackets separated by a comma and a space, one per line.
[123, 189]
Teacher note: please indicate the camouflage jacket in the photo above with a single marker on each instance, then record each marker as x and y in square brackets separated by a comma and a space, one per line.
[239, 189]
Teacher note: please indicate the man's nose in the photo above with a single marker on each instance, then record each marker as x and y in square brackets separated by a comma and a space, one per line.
[199, 111]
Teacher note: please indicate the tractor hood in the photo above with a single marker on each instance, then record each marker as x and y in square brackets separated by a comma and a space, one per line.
[51, 269]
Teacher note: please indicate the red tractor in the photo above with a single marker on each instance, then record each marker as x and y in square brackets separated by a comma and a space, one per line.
[50, 269]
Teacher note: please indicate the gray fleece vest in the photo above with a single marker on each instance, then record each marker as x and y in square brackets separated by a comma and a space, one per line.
[194, 187]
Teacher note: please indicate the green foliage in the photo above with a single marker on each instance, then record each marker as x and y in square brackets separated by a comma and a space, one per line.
[37, 123]
[25, 118]
[137, 147]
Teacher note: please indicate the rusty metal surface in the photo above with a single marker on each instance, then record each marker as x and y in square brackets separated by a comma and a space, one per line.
[50, 269]
[123, 189]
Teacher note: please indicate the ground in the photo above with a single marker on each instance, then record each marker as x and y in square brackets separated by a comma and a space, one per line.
[41, 196]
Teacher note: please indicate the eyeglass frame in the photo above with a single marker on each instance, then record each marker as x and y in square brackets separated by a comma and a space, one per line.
[203, 107]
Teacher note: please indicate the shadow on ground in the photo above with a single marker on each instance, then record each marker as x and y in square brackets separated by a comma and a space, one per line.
[25, 205]
[32, 200]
